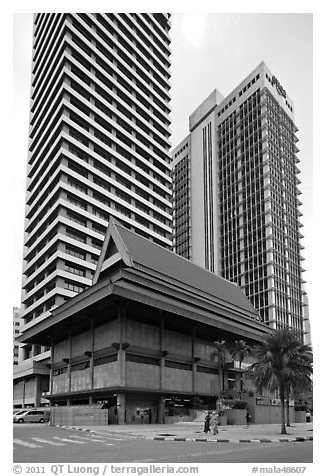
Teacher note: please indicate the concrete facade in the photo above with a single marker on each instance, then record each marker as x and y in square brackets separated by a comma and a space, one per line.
[139, 366]
[202, 124]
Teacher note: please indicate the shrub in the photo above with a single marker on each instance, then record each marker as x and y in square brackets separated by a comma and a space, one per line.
[197, 403]
[239, 405]
[235, 404]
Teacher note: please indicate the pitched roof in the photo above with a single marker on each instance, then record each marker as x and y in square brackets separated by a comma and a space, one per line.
[144, 254]
[135, 268]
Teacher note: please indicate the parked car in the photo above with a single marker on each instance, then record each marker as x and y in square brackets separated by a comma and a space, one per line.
[20, 412]
[39, 416]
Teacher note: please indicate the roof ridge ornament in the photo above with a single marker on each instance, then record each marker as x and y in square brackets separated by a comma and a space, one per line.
[122, 253]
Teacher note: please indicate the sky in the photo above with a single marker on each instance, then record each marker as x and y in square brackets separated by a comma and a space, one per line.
[208, 51]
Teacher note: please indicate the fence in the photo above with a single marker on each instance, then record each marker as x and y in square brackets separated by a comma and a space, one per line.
[79, 415]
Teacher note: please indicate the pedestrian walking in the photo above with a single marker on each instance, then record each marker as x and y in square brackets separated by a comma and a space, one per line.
[308, 416]
[207, 421]
[214, 423]
[248, 419]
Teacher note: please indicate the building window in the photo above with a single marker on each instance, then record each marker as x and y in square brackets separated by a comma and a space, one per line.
[72, 268]
[105, 360]
[71, 250]
[178, 365]
[75, 235]
[142, 359]
[206, 370]
[80, 366]
[62, 370]
[71, 286]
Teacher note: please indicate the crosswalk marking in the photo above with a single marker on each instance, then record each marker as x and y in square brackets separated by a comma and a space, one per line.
[40, 440]
[69, 441]
[88, 439]
[108, 436]
[26, 443]
[79, 440]
[124, 437]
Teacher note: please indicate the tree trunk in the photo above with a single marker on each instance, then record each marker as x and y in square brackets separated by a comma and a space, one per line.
[240, 379]
[221, 378]
[288, 412]
[283, 428]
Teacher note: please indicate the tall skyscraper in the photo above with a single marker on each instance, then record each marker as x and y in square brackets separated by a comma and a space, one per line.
[98, 146]
[241, 218]
[306, 322]
[17, 322]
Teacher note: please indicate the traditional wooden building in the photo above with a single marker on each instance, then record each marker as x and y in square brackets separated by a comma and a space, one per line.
[142, 335]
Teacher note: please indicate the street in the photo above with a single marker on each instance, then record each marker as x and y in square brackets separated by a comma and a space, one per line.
[41, 443]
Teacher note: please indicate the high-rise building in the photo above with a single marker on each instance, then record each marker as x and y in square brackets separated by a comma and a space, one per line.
[241, 218]
[99, 143]
[17, 322]
[306, 321]
[181, 167]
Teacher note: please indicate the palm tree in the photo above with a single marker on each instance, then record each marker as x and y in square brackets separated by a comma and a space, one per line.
[283, 362]
[299, 380]
[219, 354]
[239, 350]
[287, 407]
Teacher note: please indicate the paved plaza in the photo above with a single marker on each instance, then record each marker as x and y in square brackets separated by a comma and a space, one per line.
[194, 431]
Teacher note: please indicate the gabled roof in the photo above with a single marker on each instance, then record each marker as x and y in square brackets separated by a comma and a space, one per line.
[140, 253]
[134, 268]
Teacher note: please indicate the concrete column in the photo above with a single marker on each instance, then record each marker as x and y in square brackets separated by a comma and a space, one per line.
[161, 409]
[91, 364]
[122, 339]
[69, 361]
[162, 350]
[52, 364]
[37, 390]
[121, 406]
[194, 361]
[24, 386]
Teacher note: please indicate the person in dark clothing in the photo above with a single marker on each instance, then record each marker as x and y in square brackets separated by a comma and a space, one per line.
[150, 415]
[207, 423]
[248, 418]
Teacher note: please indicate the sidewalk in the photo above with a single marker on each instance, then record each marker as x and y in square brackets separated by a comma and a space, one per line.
[193, 431]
